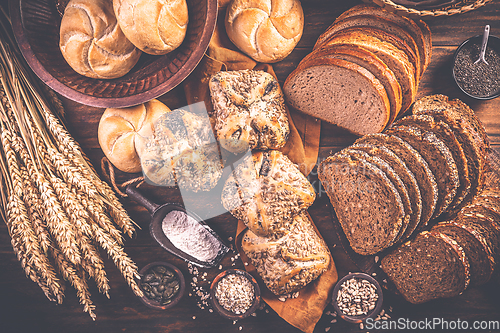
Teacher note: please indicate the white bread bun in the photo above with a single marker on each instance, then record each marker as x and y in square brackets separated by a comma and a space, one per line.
[92, 42]
[266, 30]
[154, 26]
[122, 132]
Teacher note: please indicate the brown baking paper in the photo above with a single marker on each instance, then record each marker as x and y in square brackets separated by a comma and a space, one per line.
[302, 148]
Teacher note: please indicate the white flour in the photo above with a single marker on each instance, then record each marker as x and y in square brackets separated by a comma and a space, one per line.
[189, 236]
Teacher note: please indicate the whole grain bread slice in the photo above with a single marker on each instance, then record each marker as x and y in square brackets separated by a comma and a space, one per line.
[428, 267]
[406, 176]
[341, 93]
[367, 204]
[445, 134]
[396, 59]
[415, 162]
[368, 60]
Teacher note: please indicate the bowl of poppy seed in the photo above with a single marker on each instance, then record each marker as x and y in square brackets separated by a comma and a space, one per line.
[357, 297]
[477, 79]
[235, 294]
[163, 285]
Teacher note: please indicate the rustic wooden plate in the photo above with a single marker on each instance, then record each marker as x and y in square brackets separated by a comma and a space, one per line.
[36, 28]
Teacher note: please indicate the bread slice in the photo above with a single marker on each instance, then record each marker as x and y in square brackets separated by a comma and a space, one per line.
[417, 165]
[341, 93]
[484, 207]
[371, 62]
[404, 22]
[439, 159]
[427, 34]
[430, 266]
[393, 177]
[406, 176]
[445, 134]
[367, 204]
[367, 22]
[393, 57]
[474, 245]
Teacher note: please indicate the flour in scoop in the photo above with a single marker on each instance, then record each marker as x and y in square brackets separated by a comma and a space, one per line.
[189, 236]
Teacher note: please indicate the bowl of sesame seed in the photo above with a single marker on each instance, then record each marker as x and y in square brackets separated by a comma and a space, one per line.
[235, 294]
[357, 297]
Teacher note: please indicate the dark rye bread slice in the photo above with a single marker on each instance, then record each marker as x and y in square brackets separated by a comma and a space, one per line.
[393, 177]
[475, 248]
[407, 178]
[415, 30]
[365, 22]
[488, 208]
[341, 93]
[393, 57]
[428, 267]
[367, 204]
[439, 159]
[417, 165]
[445, 134]
[438, 107]
[371, 62]
[487, 229]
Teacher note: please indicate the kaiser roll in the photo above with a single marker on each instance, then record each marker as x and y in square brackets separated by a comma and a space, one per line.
[92, 42]
[154, 26]
[266, 30]
[122, 133]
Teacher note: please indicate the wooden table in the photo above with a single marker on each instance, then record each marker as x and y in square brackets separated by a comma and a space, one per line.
[24, 308]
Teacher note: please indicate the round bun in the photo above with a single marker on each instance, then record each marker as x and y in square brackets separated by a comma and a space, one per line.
[122, 132]
[154, 26]
[92, 42]
[266, 30]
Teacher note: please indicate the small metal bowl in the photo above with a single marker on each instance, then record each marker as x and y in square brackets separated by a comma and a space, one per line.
[493, 43]
[360, 318]
[229, 314]
[182, 286]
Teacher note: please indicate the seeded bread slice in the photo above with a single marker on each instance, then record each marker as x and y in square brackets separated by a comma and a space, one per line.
[475, 248]
[417, 165]
[439, 159]
[445, 134]
[417, 33]
[393, 57]
[367, 204]
[430, 266]
[367, 22]
[487, 208]
[371, 62]
[406, 176]
[341, 93]
[393, 177]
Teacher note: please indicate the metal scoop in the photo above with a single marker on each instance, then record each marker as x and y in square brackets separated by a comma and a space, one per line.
[158, 213]
[484, 43]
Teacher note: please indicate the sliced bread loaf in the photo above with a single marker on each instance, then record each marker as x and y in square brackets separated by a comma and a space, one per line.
[367, 204]
[439, 159]
[429, 267]
[406, 176]
[341, 93]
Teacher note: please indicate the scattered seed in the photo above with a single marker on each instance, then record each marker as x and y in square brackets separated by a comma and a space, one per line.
[333, 321]
[194, 317]
[327, 329]
[376, 259]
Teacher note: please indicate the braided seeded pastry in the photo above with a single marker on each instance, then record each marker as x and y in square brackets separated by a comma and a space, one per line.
[289, 262]
[266, 191]
[181, 149]
[249, 110]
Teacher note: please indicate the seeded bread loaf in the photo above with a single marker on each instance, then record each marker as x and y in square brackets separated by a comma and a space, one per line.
[289, 262]
[249, 110]
[406, 176]
[428, 267]
[367, 204]
[446, 135]
[417, 165]
[266, 191]
[439, 159]
[340, 93]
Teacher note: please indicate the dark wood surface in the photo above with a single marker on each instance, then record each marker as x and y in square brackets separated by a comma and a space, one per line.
[24, 308]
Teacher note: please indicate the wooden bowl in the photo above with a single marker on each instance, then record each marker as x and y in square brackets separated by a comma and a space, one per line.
[36, 28]
[360, 318]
